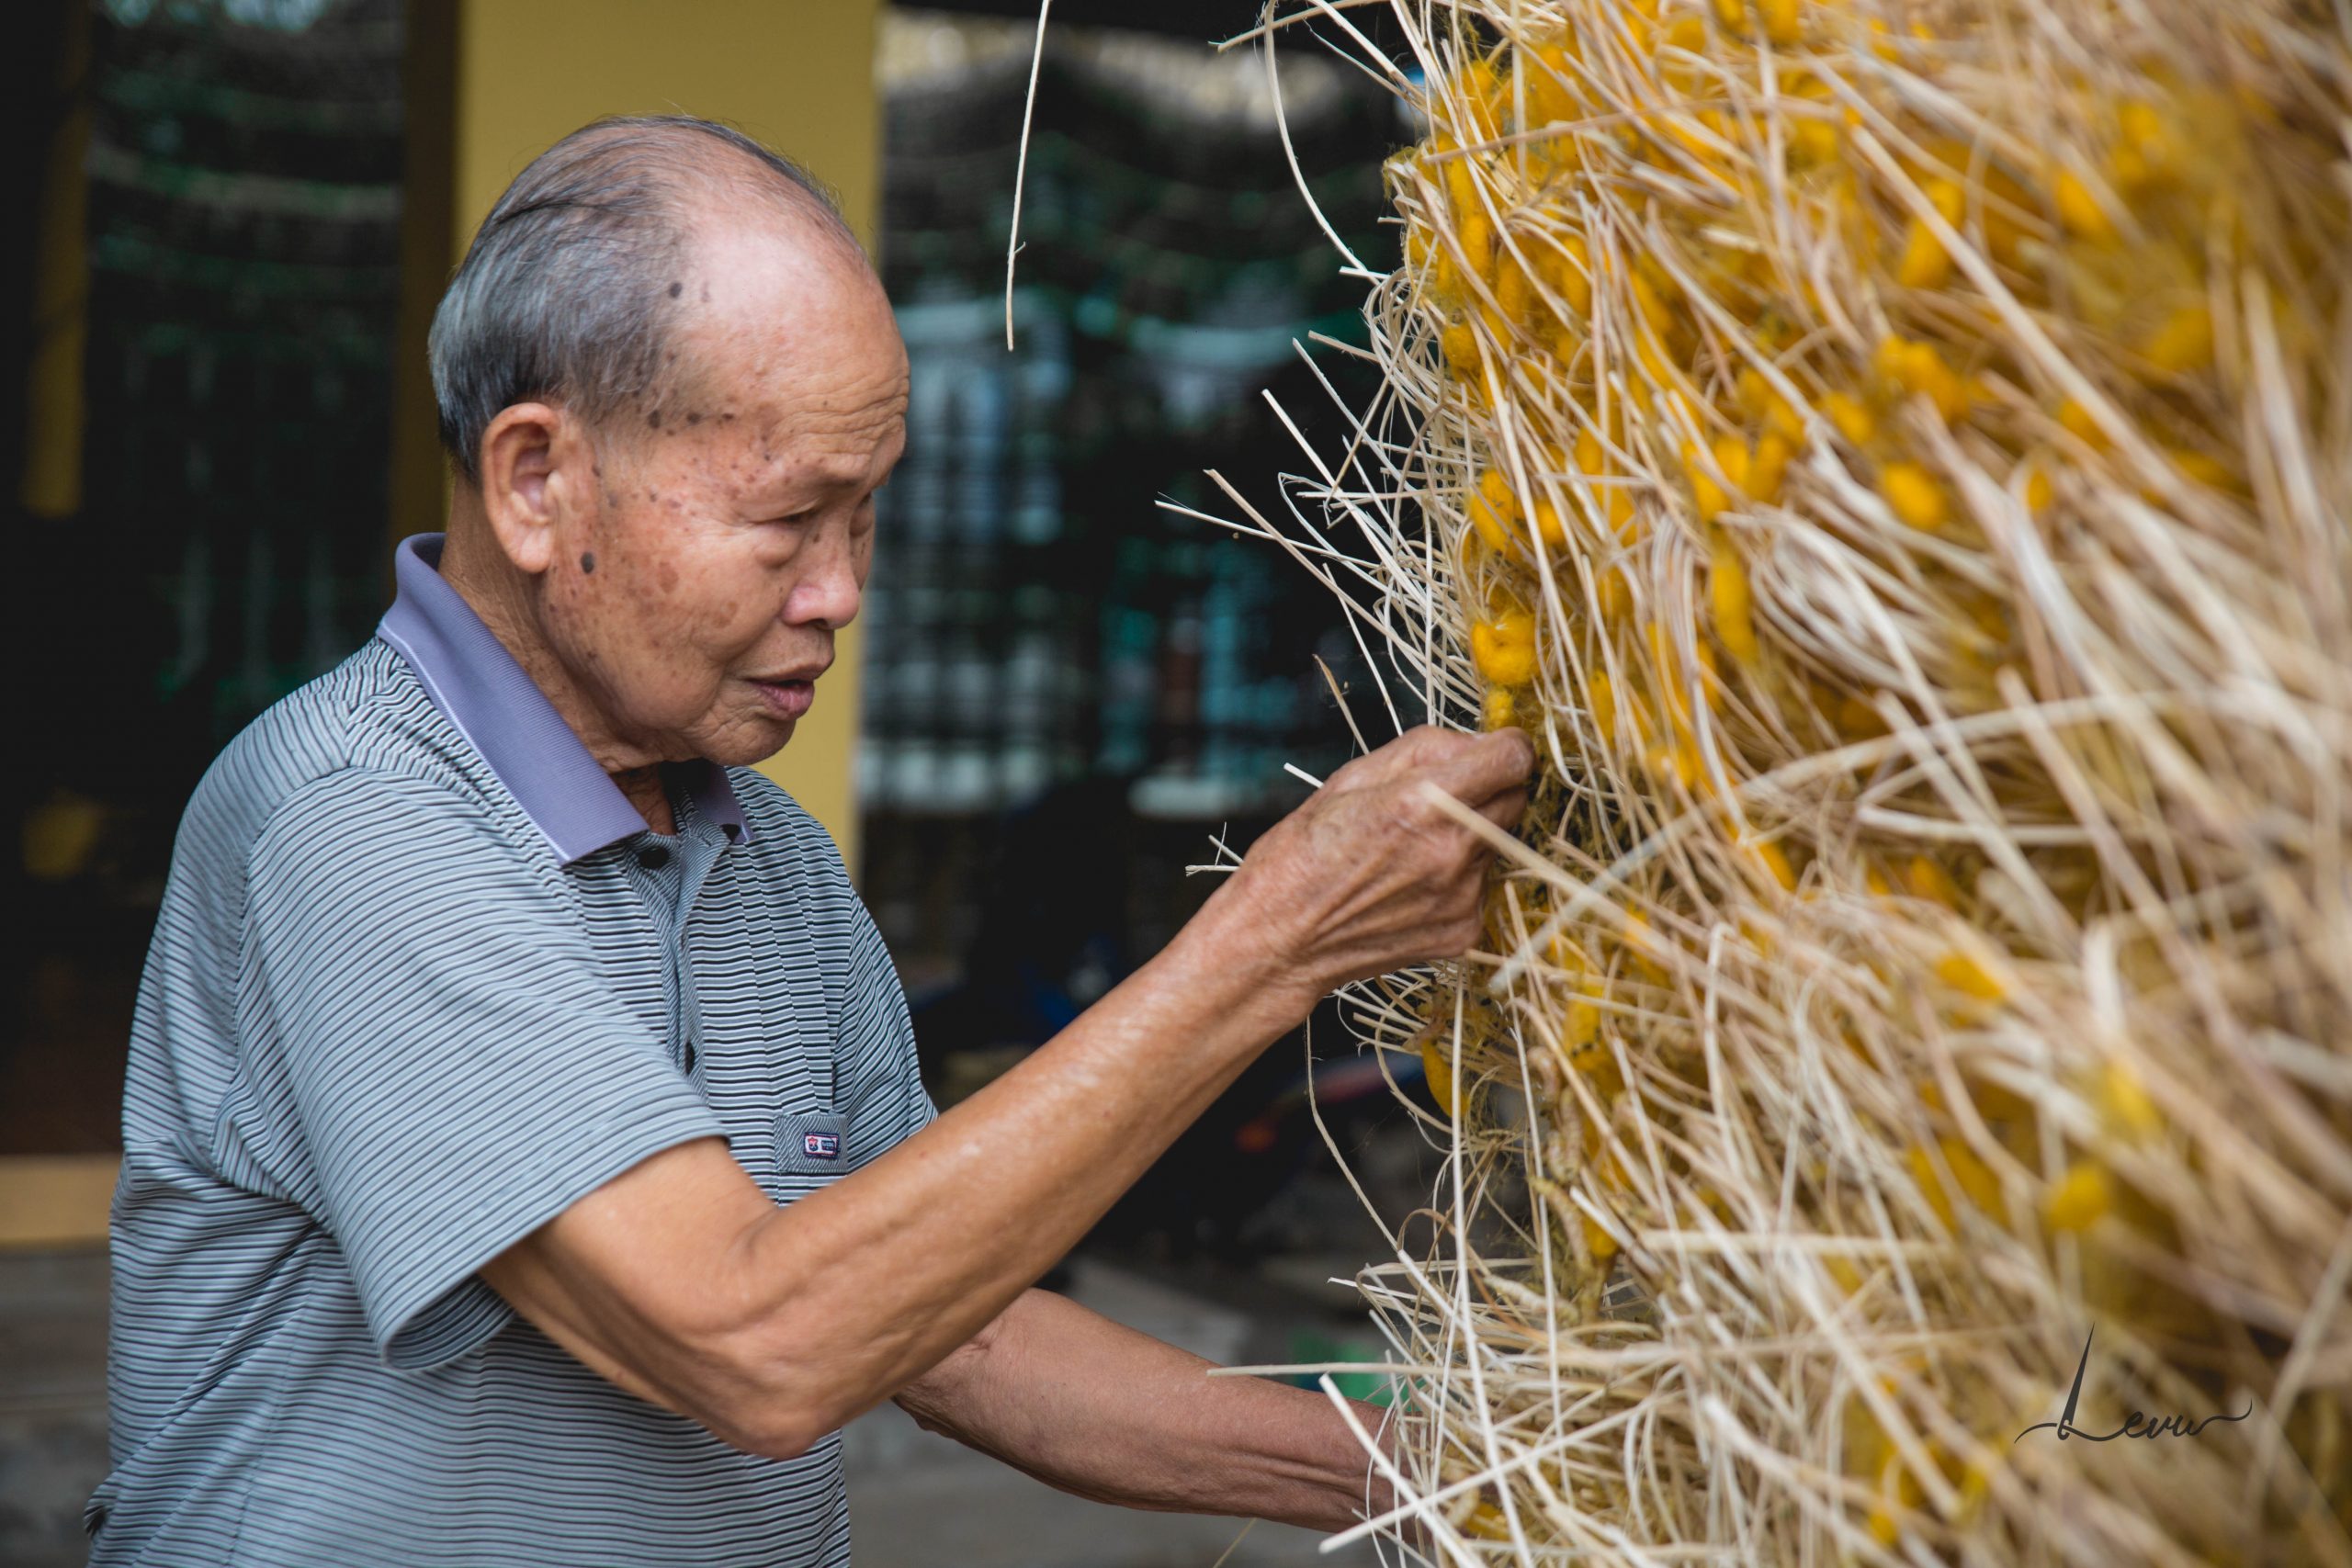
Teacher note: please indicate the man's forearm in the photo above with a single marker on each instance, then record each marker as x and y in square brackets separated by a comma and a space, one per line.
[1101, 1410]
[888, 1270]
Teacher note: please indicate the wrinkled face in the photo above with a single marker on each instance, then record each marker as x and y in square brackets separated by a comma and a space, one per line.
[695, 602]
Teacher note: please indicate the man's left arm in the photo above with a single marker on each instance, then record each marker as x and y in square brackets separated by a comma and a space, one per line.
[1097, 1409]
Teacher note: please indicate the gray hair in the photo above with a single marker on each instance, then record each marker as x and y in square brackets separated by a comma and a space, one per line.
[567, 291]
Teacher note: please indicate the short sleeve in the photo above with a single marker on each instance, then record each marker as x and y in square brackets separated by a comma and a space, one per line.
[460, 1069]
[888, 1103]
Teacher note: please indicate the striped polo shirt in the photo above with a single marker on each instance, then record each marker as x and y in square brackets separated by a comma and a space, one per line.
[421, 979]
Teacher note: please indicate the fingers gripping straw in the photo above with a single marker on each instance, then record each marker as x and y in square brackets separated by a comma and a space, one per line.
[1895, 462]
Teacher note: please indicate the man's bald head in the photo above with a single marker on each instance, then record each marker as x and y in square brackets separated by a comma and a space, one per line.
[572, 288]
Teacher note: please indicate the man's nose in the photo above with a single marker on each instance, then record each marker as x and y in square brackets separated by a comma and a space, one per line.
[828, 594]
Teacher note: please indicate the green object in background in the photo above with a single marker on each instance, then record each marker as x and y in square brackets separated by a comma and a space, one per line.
[1373, 1388]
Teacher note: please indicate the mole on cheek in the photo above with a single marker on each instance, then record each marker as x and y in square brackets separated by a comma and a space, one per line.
[676, 290]
[588, 562]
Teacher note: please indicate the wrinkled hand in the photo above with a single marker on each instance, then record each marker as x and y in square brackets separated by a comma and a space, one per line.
[1369, 874]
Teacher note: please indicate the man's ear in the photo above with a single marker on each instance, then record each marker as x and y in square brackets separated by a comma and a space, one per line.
[538, 483]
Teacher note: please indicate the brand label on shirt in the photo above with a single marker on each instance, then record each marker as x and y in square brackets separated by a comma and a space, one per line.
[811, 1143]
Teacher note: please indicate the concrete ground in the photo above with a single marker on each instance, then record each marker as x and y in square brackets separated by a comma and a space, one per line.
[916, 1500]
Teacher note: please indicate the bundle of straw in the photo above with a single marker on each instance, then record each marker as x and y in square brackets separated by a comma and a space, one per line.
[1896, 462]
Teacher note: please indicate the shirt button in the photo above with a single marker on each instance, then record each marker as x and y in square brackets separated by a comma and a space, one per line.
[654, 857]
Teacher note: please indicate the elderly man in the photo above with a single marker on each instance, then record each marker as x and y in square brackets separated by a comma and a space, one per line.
[525, 1159]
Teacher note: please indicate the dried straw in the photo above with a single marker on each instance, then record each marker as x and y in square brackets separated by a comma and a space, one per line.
[1894, 460]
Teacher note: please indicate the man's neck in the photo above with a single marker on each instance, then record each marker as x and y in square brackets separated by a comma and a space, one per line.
[472, 563]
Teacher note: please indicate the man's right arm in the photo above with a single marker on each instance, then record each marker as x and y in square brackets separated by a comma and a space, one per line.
[681, 1282]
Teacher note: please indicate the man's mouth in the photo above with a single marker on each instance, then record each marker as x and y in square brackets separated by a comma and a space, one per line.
[789, 698]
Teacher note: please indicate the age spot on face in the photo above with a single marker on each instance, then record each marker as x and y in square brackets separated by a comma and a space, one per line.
[588, 562]
[676, 290]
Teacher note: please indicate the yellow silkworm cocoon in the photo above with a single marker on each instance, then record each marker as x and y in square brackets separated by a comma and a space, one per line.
[1771, 466]
[1493, 511]
[1438, 1070]
[1618, 511]
[1651, 301]
[1563, 955]
[1760, 402]
[2079, 1199]
[1733, 459]
[1923, 1173]
[1445, 280]
[1689, 768]
[2151, 153]
[1728, 595]
[1814, 139]
[1500, 709]
[1598, 1240]
[1775, 862]
[1914, 496]
[1461, 185]
[1780, 19]
[1475, 236]
[2203, 468]
[1547, 526]
[1600, 699]
[1963, 972]
[1488, 93]
[2038, 490]
[1558, 338]
[1850, 416]
[1569, 269]
[1927, 880]
[1460, 345]
[2076, 421]
[2184, 341]
[1546, 82]
[2125, 1102]
[1926, 264]
[1417, 246]
[2079, 210]
[1514, 295]
[1504, 649]
[1707, 494]
[1589, 456]
[1916, 367]
[1612, 596]
[1970, 1175]
[1642, 944]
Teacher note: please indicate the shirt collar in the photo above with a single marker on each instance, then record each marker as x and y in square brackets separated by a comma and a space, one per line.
[480, 688]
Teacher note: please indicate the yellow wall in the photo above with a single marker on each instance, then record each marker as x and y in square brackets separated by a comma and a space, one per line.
[799, 74]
